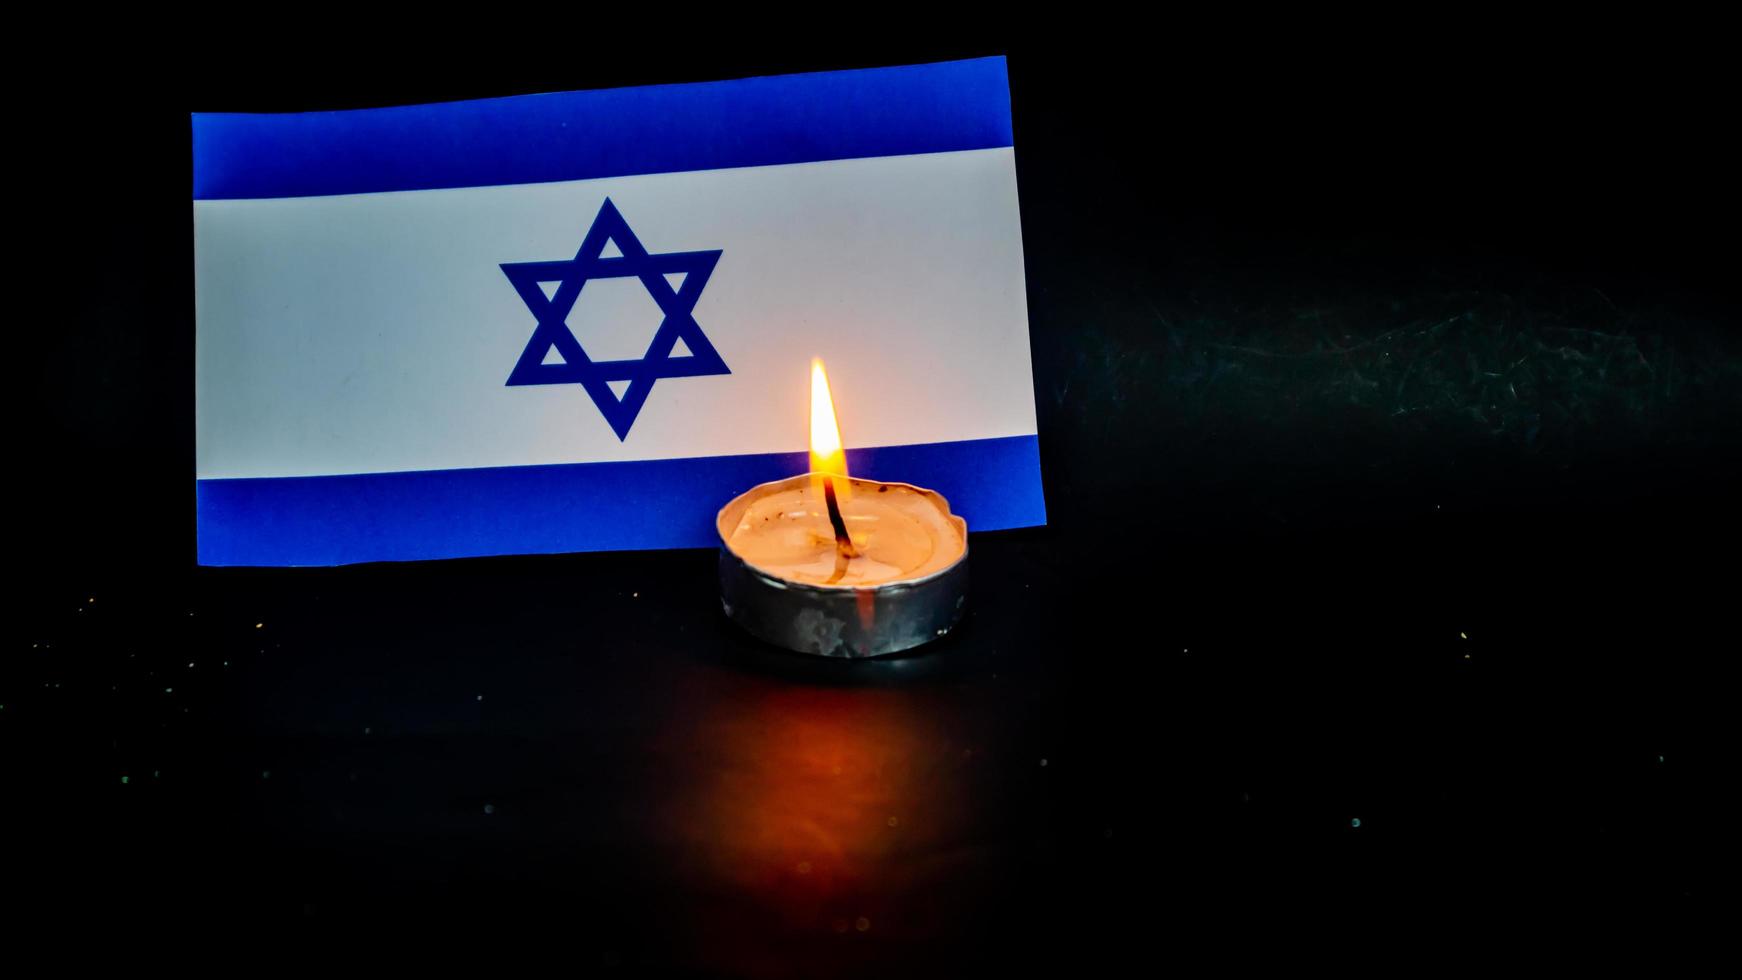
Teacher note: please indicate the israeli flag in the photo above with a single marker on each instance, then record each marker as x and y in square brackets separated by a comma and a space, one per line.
[584, 321]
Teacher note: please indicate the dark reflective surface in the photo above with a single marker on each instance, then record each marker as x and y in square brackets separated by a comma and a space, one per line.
[583, 748]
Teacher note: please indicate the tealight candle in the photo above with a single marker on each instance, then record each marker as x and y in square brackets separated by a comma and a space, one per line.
[828, 564]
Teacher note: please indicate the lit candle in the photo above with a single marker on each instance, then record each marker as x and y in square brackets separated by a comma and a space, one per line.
[828, 564]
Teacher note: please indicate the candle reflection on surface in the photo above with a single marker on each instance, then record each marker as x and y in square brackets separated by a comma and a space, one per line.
[822, 813]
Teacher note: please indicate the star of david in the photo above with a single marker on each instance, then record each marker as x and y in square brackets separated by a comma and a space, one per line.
[677, 302]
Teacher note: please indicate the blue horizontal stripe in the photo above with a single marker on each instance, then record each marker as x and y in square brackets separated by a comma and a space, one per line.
[668, 503]
[839, 115]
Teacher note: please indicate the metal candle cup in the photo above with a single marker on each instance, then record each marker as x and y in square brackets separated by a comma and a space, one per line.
[845, 620]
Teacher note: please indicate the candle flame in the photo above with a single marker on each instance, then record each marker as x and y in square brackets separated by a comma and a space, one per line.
[826, 455]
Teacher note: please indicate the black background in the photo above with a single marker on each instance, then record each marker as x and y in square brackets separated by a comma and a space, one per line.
[1278, 669]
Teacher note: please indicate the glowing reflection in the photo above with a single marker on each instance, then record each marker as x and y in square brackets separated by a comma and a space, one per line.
[823, 807]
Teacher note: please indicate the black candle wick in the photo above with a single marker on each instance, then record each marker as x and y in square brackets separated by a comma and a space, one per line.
[843, 542]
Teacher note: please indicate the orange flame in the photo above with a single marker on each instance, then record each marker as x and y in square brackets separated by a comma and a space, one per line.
[827, 456]
[828, 459]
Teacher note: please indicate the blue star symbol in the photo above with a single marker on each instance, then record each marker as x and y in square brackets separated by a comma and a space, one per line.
[677, 303]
